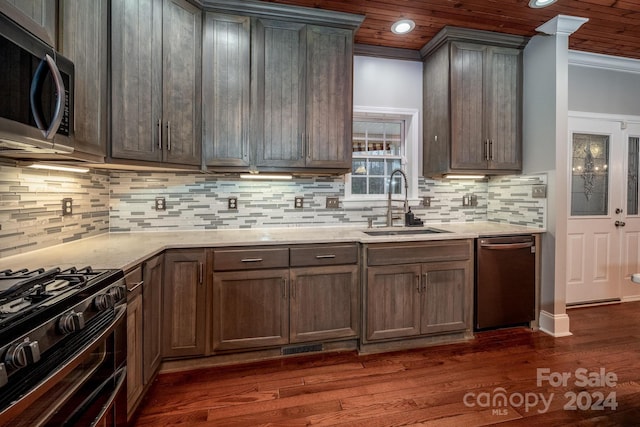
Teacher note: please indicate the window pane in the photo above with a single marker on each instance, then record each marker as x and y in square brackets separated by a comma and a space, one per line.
[359, 166]
[358, 185]
[393, 165]
[397, 185]
[590, 175]
[376, 167]
[376, 186]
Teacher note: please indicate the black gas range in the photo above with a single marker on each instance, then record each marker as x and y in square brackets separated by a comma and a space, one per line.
[62, 346]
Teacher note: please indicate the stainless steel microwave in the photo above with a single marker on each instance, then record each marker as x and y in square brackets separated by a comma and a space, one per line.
[36, 95]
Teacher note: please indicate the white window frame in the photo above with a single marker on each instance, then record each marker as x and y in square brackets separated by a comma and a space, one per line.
[410, 160]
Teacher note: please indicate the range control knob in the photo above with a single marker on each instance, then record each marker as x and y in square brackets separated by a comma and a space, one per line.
[117, 292]
[103, 301]
[70, 322]
[22, 354]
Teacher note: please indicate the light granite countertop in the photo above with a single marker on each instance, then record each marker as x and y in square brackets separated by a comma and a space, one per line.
[126, 250]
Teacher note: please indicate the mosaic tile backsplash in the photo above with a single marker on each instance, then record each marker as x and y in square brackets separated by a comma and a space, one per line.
[31, 210]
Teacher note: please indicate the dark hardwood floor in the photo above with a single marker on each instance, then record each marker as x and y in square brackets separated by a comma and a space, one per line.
[450, 385]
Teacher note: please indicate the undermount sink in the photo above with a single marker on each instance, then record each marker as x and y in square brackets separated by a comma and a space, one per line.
[404, 232]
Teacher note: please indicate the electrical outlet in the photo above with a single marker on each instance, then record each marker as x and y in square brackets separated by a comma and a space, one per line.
[299, 202]
[161, 204]
[426, 201]
[232, 203]
[333, 203]
[67, 206]
[539, 191]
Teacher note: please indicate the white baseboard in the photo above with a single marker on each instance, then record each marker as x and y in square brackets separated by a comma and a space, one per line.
[556, 325]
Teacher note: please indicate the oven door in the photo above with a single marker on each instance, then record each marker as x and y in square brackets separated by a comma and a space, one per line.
[87, 389]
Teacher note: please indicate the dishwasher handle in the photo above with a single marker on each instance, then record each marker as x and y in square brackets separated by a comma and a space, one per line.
[505, 246]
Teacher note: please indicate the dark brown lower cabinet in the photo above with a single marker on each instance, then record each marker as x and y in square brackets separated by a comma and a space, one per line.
[324, 303]
[153, 275]
[250, 309]
[418, 298]
[135, 379]
[184, 310]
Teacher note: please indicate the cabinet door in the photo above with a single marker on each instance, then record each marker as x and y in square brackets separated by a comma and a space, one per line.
[392, 302]
[37, 16]
[152, 274]
[503, 108]
[83, 39]
[181, 77]
[250, 309]
[324, 303]
[184, 303]
[468, 147]
[279, 84]
[445, 307]
[135, 380]
[329, 97]
[136, 79]
[226, 89]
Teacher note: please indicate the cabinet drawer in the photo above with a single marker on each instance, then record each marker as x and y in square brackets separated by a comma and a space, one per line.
[243, 259]
[393, 253]
[134, 282]
[324, 255]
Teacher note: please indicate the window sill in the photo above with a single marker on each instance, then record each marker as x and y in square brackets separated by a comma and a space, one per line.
[359, 203]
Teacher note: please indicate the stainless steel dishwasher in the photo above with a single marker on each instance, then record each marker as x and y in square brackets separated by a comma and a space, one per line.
[505, 281]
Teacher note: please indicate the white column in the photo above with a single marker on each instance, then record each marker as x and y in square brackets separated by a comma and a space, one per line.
[545, 133]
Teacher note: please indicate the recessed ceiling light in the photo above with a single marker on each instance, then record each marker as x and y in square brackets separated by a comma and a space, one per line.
[537, 4]
[403, 26]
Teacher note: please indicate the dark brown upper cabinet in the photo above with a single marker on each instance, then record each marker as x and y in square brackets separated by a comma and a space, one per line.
[37, 16]
[277, 88]
[472, 103]
[156, 83]
[83, 38]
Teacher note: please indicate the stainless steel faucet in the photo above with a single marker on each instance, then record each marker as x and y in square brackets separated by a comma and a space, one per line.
[390, 216]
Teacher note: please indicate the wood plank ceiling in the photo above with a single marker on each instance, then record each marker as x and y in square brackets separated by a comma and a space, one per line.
[613, 27]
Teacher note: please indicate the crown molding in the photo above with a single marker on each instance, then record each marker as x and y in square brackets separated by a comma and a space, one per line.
[562, 25]
[604, 62]
[386, 52]
[286, 12]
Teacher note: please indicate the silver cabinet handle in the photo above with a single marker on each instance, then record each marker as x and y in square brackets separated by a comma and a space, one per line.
[293, 289]
[329, 256]
[137, 285]
[426, 281]
[418, 284]
[159, 134]
[251, 260]
[284, 288]
[201, 273]
[168, 135]
[491, 149]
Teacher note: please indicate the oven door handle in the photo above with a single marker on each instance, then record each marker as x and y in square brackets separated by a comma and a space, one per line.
[118, 376]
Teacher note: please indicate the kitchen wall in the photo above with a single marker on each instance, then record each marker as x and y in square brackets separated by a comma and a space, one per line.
[607, 91]
[31, 208]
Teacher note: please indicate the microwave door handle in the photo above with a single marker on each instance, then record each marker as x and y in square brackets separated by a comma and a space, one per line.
[47, 64]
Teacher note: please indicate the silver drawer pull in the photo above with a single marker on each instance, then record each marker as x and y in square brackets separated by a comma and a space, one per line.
[325, 256]
[252, 260]
[137, 285]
